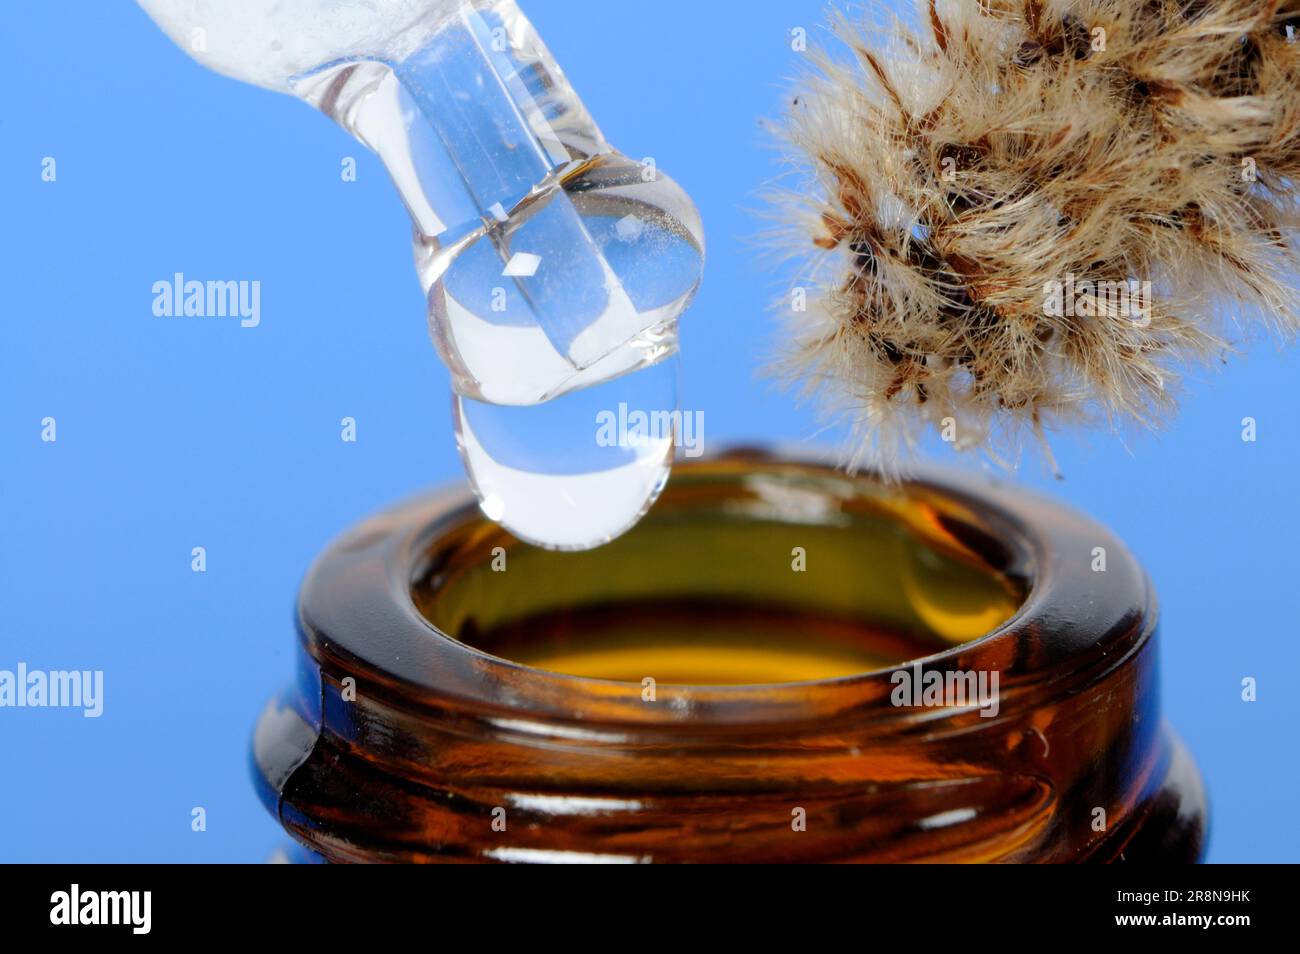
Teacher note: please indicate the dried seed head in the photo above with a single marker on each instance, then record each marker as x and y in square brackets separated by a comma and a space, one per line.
[1032, 211]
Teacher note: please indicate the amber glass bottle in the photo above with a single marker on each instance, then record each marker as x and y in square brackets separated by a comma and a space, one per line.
[780, 663]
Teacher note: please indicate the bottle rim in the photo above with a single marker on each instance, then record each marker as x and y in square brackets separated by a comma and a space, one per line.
[358, 617]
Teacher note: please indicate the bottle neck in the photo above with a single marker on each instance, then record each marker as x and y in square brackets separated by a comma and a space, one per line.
[1070, 755]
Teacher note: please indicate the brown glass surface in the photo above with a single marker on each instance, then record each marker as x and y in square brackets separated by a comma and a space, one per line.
[446, 731]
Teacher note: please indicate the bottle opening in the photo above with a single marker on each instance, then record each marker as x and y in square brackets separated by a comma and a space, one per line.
[780, 577]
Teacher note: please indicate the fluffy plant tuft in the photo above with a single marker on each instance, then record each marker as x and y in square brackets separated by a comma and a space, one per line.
[1027, 213]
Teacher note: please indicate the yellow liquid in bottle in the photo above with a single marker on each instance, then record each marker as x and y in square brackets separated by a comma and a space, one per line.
[719, 602]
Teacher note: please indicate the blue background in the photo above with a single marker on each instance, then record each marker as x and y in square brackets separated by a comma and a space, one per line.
[175, 433]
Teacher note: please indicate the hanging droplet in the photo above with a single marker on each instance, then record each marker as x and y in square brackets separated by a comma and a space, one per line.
[577, 471]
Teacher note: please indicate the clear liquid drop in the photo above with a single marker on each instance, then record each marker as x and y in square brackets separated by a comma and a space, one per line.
[575, 472]
[555, 268]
